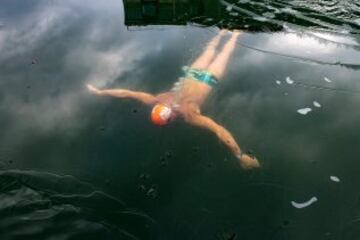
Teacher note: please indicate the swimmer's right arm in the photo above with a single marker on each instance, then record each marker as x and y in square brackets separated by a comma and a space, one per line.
[124, 93]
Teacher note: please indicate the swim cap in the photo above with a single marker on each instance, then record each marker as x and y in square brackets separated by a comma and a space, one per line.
[161, 114]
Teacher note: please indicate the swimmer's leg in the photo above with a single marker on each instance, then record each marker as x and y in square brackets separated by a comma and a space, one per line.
[218, 66]
[203, 61]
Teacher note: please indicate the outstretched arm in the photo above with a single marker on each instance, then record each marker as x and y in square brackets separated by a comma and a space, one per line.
[124, 93]
[225, 136]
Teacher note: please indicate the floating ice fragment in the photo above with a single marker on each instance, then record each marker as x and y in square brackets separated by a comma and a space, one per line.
[289, 80]
[334, 178]
[286, 94]
[288, 10]
[304, 111]
[304, 204]
[229, 8]
[316, 104]
[278, 82]
[260, 19]
[326, 79]
[234, 14]
[268, 15]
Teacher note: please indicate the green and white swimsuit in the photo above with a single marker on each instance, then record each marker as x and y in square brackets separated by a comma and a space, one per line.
[194, 74]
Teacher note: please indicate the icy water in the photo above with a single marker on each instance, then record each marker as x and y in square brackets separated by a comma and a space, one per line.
[77, 166]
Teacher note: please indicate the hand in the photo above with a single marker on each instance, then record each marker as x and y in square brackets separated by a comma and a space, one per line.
[93, 89]
[247, 162]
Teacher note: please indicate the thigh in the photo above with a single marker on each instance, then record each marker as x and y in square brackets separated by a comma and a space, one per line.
[203, 61]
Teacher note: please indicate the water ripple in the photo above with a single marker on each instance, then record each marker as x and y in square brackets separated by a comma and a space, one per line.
[262, 15]
[38, 205]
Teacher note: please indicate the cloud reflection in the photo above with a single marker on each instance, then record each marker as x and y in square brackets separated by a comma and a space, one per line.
[104, 53]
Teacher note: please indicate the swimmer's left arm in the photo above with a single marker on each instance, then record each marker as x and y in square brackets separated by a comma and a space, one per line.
[124, 93]
[225, 136]
[209, 124]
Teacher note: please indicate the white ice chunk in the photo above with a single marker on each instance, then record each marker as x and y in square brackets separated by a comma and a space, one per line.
[278, 82]
[229, 8]
[288, 10]
[289, 80]
[304, 111]
[327, 80]
[234, 14]
[260, 19]
[334, 178]
[304, 204]
[268, 15]
[316, 104]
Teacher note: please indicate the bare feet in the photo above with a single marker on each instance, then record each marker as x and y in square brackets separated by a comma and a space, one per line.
[93, 89]
[247, 162]
[222, 32]
[236, 33]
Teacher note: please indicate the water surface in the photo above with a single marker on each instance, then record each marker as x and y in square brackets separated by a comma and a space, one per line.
[76, 166]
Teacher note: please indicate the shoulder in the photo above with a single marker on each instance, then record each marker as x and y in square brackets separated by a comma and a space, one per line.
[190, 111]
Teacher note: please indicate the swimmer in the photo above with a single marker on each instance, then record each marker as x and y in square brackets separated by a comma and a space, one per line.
[189, 93]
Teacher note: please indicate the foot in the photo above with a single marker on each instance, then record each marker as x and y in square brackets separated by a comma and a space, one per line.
[222, 32]
[248, 162]
[93, 89]
[236, 33]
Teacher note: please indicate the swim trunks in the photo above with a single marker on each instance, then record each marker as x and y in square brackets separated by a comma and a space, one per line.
[200, 75]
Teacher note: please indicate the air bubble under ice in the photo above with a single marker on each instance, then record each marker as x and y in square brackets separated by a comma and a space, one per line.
[289, 80]
[316, 104]
[304, 111]
[304, 204]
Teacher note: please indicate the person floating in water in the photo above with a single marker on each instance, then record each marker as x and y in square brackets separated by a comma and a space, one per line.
[189, 93]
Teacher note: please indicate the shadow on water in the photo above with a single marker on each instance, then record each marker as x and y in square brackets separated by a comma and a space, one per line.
[40, 205]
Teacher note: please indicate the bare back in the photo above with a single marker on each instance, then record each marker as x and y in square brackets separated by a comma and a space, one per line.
[192, 91]
[188, 96]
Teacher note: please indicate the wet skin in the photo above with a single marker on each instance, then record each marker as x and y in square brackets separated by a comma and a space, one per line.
[187, 99]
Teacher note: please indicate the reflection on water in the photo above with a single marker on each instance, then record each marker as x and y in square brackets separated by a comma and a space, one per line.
[48, 206]
[264, 15]
[51, 49]
[306, 29]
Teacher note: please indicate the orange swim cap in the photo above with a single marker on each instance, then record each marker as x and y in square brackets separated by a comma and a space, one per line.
[161, 114]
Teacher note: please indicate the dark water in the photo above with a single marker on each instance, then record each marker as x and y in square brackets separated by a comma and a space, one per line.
[76, 166]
